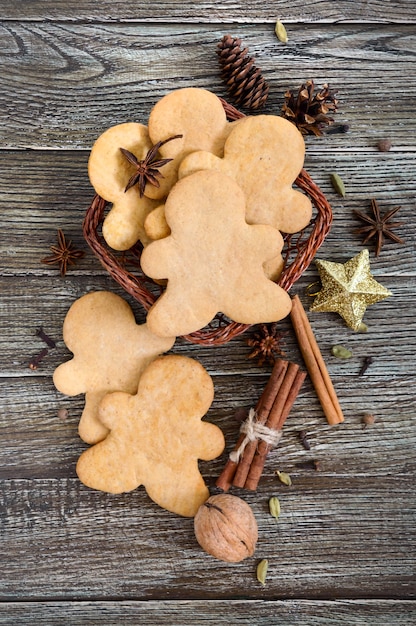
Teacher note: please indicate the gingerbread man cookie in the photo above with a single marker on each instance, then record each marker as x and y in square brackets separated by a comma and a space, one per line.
[109, 172]
[197, 115]
[110, 353]
[156, 437]
[156, 227]
[264, 154]
[213, 260]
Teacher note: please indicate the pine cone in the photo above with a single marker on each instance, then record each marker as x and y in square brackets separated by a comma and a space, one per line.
[245, 83]
[308, 111]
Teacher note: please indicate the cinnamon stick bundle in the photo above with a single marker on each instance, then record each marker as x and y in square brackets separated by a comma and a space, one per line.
[262, 409]
[263, 428]
[278, 415]
[315, 364]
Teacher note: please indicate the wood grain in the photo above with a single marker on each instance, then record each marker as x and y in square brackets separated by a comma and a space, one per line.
[196, 11]
[342, 551]
[63, 84]
[46, 524]
[53, 191]
[36, 442]
[196, 612]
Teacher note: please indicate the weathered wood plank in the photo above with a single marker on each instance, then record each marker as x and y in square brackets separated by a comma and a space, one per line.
[197, 612]
[69, 71]
[31, 303]
[227, 11]
[63, 84]
[52, 191]
[46, 524]
[36, 442]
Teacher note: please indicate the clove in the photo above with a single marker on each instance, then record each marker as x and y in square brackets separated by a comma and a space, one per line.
[366, 364]
[63, 414]
[34, 363]
[304, 439]
[337, 128]
[48, 340]
[310, 465]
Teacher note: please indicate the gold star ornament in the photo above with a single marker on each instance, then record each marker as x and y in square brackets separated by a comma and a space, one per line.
[348, 288]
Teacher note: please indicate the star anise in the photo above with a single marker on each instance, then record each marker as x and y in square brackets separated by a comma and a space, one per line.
[378, 226]
[64, 253]
[309, 111]
[147, 169]
[266, 343]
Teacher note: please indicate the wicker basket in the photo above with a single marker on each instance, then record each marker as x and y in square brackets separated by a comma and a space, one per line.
[298, 252]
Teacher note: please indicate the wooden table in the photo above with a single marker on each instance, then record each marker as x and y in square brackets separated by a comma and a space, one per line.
[342, 551]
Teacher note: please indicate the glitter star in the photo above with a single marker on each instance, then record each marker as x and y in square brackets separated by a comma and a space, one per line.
[348, 289]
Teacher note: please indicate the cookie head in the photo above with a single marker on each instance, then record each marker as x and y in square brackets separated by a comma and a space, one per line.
[264, 154]
[196, 114]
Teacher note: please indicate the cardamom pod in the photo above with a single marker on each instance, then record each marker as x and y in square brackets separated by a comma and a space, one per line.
[338, 184]
[262, 571]
[274, 507]
[284, 478]
[281, 32]
[340, 352]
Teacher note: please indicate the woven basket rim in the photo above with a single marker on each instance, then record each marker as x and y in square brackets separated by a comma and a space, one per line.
[136, 284]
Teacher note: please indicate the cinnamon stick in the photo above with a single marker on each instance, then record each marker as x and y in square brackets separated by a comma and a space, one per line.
[315, 364]
[263, 407]
[277, 417]
[262, 415]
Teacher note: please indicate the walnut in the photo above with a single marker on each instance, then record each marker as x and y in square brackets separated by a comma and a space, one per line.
[226, 528]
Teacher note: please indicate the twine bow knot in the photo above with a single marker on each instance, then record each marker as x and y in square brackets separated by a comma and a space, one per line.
[253, 431]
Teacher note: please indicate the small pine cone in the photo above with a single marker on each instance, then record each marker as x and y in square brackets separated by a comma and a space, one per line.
[245, 83]
[309, 111]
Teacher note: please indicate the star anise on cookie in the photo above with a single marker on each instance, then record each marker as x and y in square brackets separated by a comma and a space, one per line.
[147, 169]
[379, 226]
[64, 253]
[266, 344]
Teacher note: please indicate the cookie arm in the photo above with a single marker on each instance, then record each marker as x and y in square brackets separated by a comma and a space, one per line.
[195, 312]
[210, 442]
[90, 428]
[104, 467]
[68, 380]
[182, 492]
[154, 260]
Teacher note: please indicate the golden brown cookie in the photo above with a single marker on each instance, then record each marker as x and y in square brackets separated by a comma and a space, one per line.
[110, 353]
[196, 114]
[213, 260]
[264, 154]
[155, 224]
[156, 227]
[157, 436]
[274, 267]
[109, 173]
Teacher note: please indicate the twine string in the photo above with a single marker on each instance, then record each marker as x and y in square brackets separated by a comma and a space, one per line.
[254, 431]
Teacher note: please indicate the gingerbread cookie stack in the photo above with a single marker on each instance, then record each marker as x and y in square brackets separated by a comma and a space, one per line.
[208, 199]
